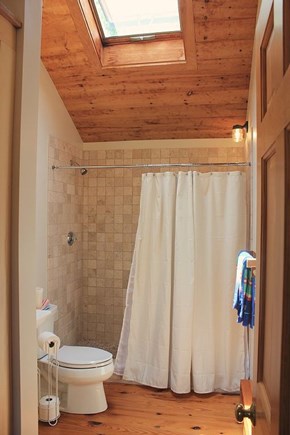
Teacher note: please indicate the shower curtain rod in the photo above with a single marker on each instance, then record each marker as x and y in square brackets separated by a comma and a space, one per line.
[152, 165]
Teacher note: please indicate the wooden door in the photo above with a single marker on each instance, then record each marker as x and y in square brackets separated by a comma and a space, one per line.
[268, 389]
[7, 65]
[271, 386]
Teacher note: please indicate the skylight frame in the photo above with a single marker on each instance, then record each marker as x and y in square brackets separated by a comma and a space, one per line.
[177, 53]
[133, 38]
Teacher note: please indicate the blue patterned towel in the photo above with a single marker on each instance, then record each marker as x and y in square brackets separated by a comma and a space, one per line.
[244, 295]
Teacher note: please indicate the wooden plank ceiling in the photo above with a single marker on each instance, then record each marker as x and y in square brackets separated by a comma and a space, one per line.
[201, 98]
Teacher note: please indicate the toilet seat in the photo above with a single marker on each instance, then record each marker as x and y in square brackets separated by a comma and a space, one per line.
[81, 357]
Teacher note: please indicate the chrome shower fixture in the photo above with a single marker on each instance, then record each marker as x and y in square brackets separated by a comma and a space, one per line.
[83, 171]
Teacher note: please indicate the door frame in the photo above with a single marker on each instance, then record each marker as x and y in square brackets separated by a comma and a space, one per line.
[7, 72]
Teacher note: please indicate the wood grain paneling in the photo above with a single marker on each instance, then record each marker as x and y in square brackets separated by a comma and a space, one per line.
[215, 75]
[224, 9]
[214, 30]
[142, 410]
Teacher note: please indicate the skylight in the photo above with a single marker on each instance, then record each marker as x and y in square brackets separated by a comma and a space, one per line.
[137, 19]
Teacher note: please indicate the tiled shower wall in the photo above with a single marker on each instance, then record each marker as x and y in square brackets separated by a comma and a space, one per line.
[111, 211]
[88, 280]
[65, 213]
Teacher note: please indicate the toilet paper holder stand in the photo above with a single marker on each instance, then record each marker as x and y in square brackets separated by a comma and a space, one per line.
[48, 405]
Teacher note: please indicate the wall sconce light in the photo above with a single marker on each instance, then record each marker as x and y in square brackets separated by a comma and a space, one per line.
[239, 132]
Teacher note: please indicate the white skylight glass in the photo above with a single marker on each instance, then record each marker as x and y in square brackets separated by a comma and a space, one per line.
[137, 17]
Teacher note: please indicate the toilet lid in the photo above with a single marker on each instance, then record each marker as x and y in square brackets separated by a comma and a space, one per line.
[83, 357]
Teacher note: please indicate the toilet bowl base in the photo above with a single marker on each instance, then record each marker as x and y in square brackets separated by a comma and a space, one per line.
[89, 399]
[81, 390]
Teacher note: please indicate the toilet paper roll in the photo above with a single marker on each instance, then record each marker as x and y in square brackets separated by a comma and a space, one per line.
[48, 408]
[49, 342]
[39, 297]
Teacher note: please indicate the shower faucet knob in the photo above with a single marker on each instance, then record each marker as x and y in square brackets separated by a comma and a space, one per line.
[71, 238]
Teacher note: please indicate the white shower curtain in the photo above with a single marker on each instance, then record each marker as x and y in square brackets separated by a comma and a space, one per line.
[179, 328]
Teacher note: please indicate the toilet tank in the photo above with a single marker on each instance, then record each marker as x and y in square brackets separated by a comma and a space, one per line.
[45, 322]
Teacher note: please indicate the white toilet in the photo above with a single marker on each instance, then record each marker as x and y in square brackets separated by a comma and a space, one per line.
[81, 372]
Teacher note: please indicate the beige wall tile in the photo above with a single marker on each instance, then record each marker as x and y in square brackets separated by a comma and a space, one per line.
[88, 281]
[117, 226]
[65, 213]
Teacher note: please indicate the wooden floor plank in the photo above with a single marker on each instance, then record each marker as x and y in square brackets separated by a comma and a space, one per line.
[140, 410]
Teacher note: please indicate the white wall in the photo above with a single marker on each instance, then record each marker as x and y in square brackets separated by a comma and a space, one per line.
[53, 120]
